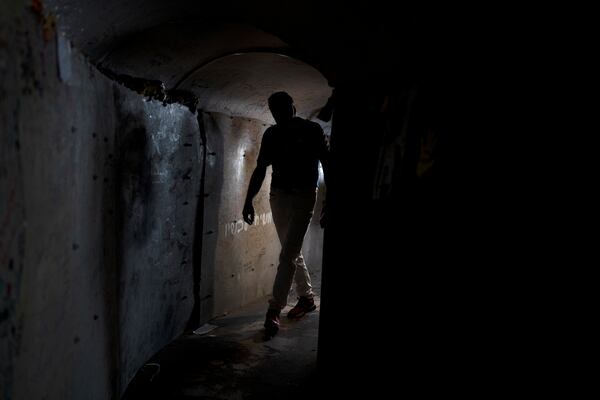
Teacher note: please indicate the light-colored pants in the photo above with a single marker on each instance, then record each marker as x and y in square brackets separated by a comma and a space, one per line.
[292, 212]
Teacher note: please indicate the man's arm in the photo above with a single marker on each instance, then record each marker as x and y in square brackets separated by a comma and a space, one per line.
[256, 180]
[326, 173]
[324, 159]
[323, 152]
[258, 176]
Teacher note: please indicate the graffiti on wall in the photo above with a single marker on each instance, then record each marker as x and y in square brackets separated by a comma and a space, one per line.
[238, 226]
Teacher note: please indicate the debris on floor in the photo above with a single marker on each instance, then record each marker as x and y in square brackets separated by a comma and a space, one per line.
[204, 329]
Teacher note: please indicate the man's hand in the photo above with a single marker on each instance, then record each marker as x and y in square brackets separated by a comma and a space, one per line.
[248, 212]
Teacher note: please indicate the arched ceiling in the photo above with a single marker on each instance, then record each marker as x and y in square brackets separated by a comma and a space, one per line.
[96, 27]
[172, 51]
[231, 67]
[371, 42]
[325, 34]
[240, 85]
[182, 42]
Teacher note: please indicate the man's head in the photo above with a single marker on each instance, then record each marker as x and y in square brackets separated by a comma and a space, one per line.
[282, 107]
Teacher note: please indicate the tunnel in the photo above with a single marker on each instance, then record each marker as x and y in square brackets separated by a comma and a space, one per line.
[129, 134]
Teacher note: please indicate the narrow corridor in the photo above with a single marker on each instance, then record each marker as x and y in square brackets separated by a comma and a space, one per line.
[129, 135]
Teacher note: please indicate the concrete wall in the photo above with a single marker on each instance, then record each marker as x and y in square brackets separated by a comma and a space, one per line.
[158, 170]
[12, 227]
[239, 261]
[99, 224]
[64, 121]
[98, 200]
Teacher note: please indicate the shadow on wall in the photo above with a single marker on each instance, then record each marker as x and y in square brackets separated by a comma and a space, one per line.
[200, 312]
[210, 200]
[135, 180]
[133, 205]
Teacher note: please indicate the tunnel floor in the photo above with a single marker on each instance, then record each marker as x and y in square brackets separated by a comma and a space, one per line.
[234, 361]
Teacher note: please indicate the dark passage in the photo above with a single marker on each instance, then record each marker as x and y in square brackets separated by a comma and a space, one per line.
[128, 135]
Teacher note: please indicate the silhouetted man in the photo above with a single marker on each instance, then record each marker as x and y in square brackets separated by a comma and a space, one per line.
[293, 147]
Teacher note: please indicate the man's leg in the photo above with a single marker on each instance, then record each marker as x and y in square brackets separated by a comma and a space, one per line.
[281, 210]
[302, 278]
[291, 215]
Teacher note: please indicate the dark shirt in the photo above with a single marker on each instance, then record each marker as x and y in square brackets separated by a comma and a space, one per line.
[294, 149]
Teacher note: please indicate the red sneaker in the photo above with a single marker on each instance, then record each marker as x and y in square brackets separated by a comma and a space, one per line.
[305, 304]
